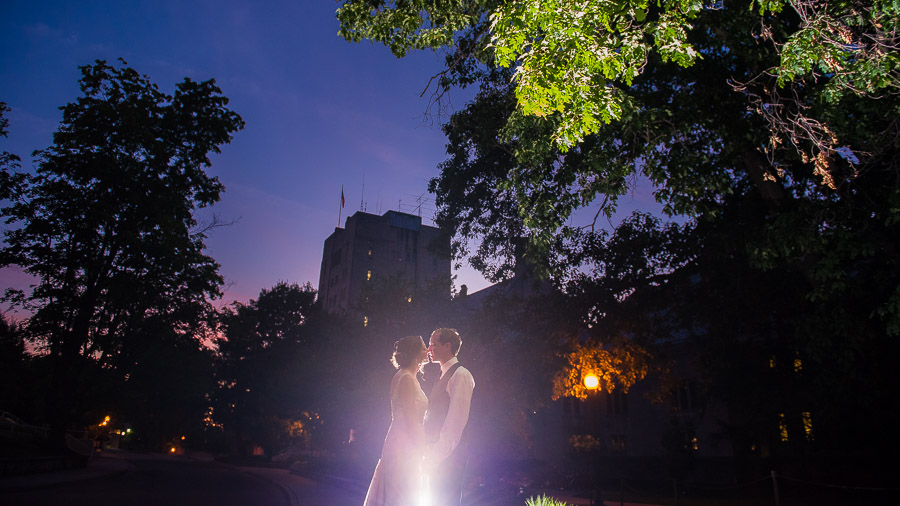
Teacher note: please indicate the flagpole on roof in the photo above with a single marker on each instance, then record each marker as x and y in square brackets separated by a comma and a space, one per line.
[341, 210]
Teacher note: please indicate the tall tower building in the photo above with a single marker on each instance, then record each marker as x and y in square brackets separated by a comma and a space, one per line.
[394, 245]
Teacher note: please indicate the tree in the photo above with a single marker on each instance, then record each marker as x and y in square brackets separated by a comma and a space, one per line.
[513, 344]
[266, 375]
[106, 223]
[819, 206]
[12, 366]
[170, 371]
[575, 59]
[771, 129]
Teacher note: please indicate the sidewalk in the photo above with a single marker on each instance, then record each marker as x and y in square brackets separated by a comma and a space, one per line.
[99, 467]
[297, 487]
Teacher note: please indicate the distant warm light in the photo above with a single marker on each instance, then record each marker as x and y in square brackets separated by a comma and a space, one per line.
[771, 362]
[409, 299]
[172, 450]
[182, 438]
[782, 428]
[368, 275]
[591, 381]
[807, 425]
[365, 321]
[694, 444]
[128, 431]
[798, 365]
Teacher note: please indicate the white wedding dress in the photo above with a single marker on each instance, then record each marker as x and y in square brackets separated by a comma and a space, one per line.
[398, 477]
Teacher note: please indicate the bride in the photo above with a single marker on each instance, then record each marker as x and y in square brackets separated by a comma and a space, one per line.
[398, 475]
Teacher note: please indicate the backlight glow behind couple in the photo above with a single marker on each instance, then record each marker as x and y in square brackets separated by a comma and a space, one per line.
[425, 452]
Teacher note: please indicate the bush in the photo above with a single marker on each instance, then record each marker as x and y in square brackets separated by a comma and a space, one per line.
[543, 501]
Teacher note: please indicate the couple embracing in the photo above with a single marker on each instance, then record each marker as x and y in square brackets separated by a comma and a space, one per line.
[424, 454]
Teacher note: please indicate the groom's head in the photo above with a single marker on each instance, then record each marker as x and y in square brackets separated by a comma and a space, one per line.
[444, 344]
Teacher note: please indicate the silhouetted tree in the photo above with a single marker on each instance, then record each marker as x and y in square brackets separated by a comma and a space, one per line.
[106, 224]
[13, 389]
[267, 376]
[167, 383]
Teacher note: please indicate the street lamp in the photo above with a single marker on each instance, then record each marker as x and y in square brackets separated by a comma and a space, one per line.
[591, 382]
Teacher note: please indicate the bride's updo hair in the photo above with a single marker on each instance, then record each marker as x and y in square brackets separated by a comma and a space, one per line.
[406, 350]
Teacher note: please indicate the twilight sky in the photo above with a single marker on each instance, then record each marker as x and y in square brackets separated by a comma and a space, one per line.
[320, 113]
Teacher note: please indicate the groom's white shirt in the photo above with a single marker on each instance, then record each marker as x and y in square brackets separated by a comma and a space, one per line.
[460, 388]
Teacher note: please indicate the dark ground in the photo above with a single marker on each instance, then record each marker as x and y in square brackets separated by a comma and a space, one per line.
[157, 482]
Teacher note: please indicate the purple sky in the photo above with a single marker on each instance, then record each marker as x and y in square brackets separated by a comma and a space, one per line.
[320, 113]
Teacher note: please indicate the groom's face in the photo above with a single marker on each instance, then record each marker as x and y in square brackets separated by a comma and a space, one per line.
[439, 352]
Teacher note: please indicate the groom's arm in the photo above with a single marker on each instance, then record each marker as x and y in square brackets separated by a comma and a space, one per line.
[460, 388]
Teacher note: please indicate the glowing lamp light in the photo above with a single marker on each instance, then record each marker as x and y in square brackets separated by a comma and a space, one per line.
[172, 450]
[424, 496]
[591, 382]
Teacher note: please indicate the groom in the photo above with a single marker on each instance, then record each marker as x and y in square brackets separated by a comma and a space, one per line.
[446, 420]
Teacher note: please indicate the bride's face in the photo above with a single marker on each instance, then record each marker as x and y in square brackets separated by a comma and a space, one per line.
[422, 357]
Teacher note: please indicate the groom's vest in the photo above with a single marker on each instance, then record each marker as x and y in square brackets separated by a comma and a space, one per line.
[438, 407]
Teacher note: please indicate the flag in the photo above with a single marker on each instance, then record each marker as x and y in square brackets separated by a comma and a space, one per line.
[343, 201]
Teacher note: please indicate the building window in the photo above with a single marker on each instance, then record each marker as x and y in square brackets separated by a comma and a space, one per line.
[782, 428]
[807, 425]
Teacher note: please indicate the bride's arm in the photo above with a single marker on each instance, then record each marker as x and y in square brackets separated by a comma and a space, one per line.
[407, 397]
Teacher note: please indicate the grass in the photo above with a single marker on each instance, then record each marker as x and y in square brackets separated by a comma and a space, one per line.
[543, 500]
